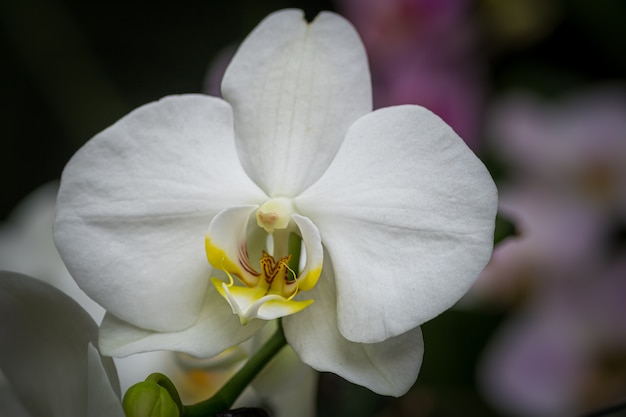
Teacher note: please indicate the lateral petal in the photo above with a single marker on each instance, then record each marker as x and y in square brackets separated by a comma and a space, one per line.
[215, 330]
[134, 204]
[388, 368]
[295, 88]
[406, 212]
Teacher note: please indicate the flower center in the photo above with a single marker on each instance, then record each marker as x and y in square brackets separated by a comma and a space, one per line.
[267, 281]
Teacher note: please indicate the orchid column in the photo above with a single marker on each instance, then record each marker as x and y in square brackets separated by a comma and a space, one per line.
[186, 217]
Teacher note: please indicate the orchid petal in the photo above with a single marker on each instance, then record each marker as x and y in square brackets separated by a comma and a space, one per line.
[44, 351]
[134, 204]
[387, 368]
[293, 381]
[252, 303]
[27, 247]
[136, 368]
[226, 243]
[406, 212]
[102, 401]
[313, 250]
[295, 88]
[10, 405]
[215, 330]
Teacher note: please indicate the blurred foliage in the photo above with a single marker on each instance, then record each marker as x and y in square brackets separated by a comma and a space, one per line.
[504, 228]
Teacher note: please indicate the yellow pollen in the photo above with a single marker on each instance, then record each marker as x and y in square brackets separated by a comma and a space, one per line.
[277, 275]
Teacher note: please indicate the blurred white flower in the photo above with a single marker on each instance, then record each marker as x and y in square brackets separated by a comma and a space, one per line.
[48, 354]
[26, 246]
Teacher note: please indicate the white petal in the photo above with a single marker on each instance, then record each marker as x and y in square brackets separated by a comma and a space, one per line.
[314, 252]
[251, 303]
[298, 398]
[136, 368]
[388, 368]
[44, 350]
[295, 89]
[102, 401]
[215, 330]
[226, 243]
[135, 202]
[27, 247]
[10, 405]
[406, 212]
[288, 386]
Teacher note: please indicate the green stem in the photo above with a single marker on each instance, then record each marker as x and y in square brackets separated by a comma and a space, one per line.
[226, 396]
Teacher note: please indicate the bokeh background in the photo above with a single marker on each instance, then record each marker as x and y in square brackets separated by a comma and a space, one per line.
[537, 88]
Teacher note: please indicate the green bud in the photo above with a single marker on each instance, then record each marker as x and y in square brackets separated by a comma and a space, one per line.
[148, 399]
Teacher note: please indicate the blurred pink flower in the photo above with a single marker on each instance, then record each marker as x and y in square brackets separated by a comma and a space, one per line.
[423, 52]
[565, 354]
[576, 145]
[557, 240]
[397, 27]
[565, 190]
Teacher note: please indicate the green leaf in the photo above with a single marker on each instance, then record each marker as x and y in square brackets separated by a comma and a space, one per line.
[504, 228]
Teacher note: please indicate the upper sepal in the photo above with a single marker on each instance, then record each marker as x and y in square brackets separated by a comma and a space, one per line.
[295, 88]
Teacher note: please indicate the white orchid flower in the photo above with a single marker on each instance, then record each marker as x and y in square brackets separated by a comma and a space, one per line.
[48, 355]
[394, 212]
